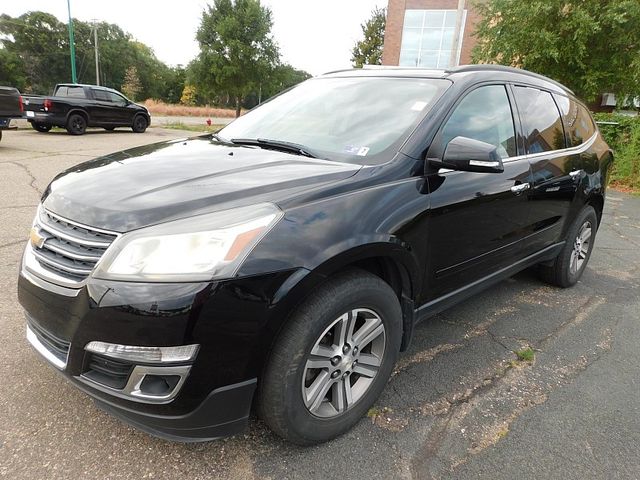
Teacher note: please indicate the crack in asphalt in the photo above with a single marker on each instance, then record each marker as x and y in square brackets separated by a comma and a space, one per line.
[13, 243]
[30, 174]
[16, 207]
[487, 390]
[517, 388]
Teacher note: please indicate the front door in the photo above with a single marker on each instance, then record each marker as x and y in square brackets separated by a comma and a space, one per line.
[477, 220]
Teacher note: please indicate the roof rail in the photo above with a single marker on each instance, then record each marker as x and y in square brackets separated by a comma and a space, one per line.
[489, 67]
[384, 67]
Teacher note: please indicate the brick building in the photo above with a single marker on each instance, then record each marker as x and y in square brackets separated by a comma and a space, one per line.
[421, 33]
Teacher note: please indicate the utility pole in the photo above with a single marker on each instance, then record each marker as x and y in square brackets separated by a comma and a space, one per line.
[95, 44]
[72, 46]
[457, 34]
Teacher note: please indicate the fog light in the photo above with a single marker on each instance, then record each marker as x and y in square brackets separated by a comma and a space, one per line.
[131, 353]
[159, 384]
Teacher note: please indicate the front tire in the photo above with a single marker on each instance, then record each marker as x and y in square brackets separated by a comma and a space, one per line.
[76, 124]
[332, 359]
[570, 264]
[140, 124]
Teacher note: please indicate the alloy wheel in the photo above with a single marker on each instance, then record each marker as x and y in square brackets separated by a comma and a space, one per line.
[343, 363]
[581, 247]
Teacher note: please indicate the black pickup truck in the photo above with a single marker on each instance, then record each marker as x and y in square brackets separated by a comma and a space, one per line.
[10, 106]
[76, 107]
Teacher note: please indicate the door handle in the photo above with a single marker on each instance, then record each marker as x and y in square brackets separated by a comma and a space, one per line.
[521, 187]
[575, 173]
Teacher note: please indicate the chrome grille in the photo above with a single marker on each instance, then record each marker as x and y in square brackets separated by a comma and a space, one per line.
[70, 249]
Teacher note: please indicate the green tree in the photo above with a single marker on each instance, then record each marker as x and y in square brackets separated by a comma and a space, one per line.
[11, 70]
[281, 78]
[34, 56]
[175, 84]
[237, 50]
[368, 51]
[591, 46]
[38, 46]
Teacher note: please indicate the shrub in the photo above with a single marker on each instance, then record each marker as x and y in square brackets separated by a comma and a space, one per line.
[188, 95]
[624, 139]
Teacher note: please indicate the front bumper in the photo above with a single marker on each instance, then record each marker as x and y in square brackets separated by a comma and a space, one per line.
[227, 319]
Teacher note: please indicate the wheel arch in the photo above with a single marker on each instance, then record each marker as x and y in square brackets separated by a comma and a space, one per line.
[78, 111]
[597, 202]
[144, 114]
[392, 263]
[399, 273]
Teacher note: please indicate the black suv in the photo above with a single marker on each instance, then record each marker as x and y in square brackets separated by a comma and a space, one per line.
[284, 262]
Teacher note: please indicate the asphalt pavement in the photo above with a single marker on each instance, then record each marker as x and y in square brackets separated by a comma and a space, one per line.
[460, 403]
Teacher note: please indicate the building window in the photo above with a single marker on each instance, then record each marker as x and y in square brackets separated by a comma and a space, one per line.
[427, 38]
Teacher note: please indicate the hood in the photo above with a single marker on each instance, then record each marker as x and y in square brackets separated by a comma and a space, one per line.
[180, 178]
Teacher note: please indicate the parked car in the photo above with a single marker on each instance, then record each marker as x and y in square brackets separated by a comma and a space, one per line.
[10, 106]
[76, 107]
[285, 261]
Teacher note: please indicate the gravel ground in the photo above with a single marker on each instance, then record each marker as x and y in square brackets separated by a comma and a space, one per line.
[459, 405]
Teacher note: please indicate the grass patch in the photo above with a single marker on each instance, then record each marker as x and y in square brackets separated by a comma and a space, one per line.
[375, 412]
[191, 128]
[525, 354]
[624, 139]
[157, 107]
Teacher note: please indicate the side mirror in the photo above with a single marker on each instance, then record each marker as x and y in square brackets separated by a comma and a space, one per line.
[470, 155]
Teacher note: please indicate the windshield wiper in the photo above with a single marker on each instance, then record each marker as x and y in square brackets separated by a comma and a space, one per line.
[281, 145]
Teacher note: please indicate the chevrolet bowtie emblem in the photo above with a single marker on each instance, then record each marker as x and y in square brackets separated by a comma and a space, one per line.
[37, 240]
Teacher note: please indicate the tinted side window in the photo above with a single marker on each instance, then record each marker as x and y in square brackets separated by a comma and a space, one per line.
[577, 121]
[75, 92]
[540, 120]
[100, 95]
[117, 99]
[485, 115]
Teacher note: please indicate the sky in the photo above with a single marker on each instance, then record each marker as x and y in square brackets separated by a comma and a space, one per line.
[313, 35]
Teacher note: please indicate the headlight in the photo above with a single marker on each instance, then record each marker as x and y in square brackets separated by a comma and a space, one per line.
[198, 248]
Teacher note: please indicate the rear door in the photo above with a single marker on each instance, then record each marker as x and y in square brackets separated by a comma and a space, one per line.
[556, 170]
[478, 220]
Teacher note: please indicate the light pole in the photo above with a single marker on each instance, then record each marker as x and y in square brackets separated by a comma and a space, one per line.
[457, 34]
[72, 46]
[95, 44]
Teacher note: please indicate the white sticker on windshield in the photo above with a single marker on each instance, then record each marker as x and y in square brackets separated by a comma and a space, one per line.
[419, 106]
[351, 150]
[363, 151]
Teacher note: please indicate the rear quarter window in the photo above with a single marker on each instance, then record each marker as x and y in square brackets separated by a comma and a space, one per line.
[577, 121]
[71, 92]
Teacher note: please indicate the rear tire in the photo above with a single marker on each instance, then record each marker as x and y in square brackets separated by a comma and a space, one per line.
[319, 380]
[140, 124]
[570, 264]
[76, 124]
[41, 127]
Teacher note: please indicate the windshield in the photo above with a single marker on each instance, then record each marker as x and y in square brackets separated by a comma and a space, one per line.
[353, 119]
